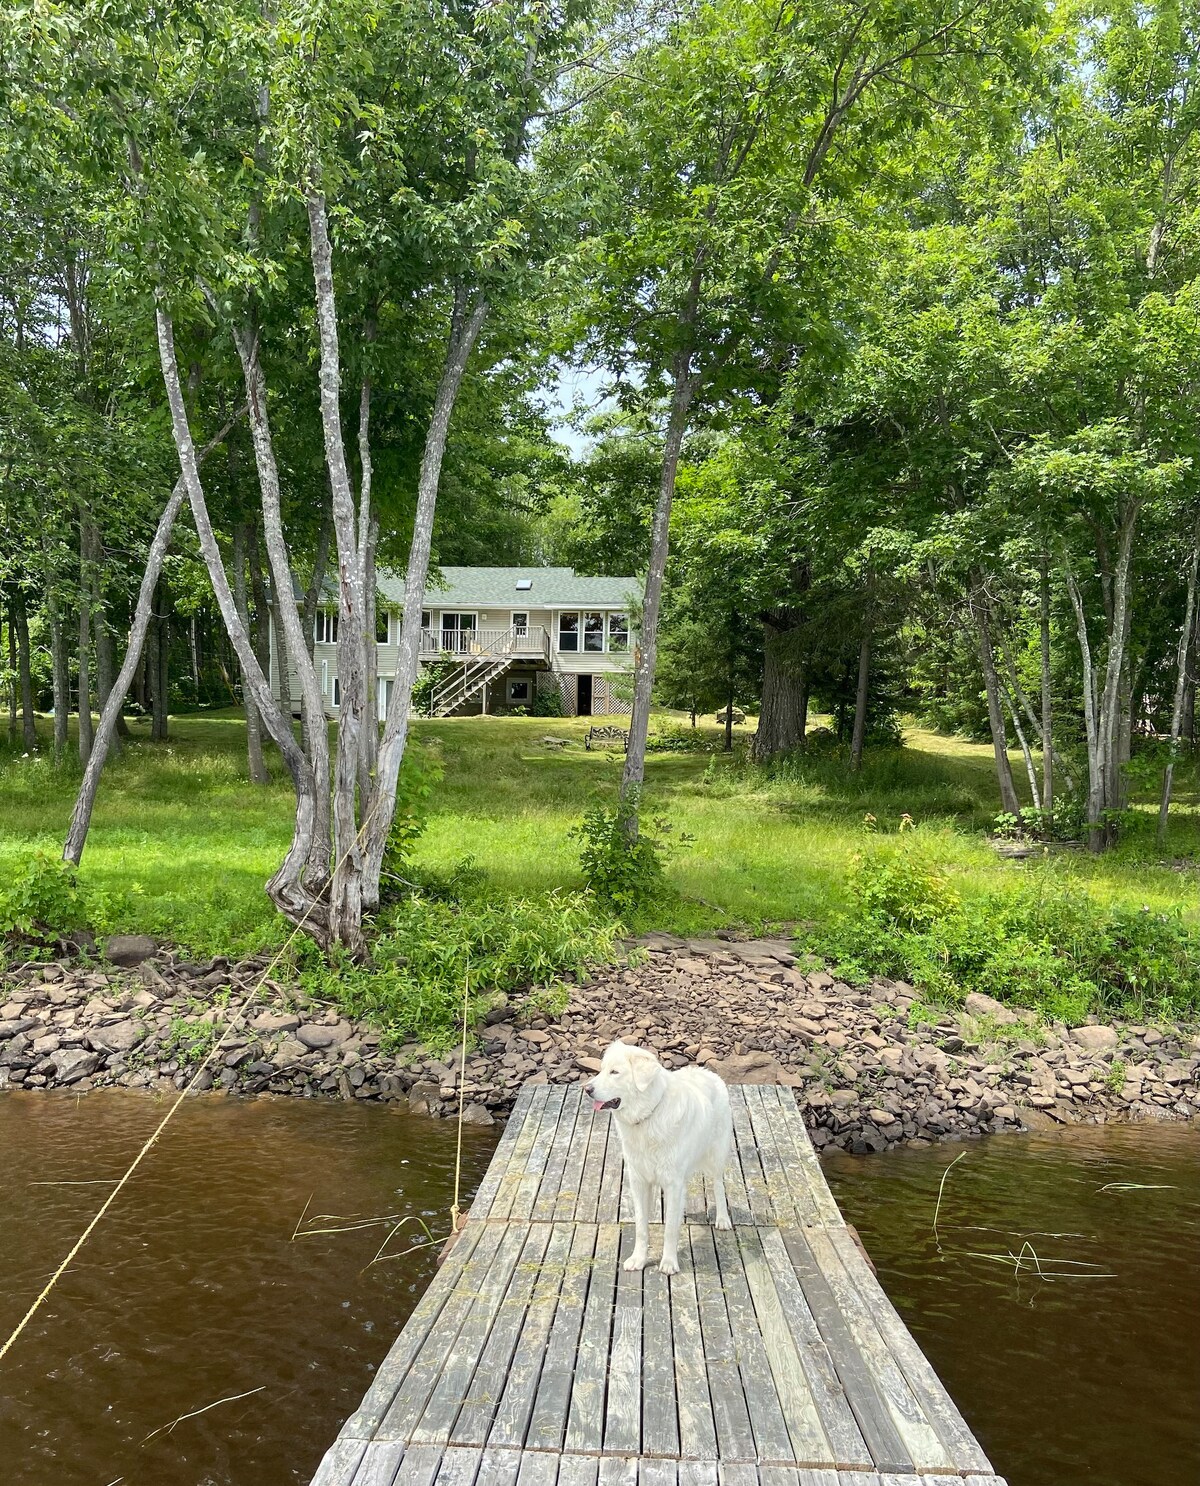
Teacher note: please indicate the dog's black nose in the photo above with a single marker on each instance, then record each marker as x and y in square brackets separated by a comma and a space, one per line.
[587, 1089]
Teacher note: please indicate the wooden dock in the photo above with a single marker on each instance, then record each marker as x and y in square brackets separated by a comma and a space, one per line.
[772, 1359]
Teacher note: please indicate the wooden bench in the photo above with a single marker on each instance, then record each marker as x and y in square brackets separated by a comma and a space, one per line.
[607, 735]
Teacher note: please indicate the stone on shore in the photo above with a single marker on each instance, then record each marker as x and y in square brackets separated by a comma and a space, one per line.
[128, 950]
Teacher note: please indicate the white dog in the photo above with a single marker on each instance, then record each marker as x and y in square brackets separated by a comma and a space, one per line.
[672, 1125]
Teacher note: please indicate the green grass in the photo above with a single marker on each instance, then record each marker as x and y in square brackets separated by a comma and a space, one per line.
[184, 843]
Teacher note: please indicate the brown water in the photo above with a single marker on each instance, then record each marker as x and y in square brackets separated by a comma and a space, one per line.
[193, 1289]
[1092, 1376]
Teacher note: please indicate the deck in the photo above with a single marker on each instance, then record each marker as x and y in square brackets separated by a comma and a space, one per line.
[772, 1359]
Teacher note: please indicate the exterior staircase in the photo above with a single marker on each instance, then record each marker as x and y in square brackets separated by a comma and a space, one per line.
[468, 682]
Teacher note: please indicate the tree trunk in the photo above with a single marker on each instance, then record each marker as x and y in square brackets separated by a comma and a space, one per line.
[729, 693]
[293, 650]
[255, 766]
[783, 710]
[859, 735]
[194, 651]
[1009, 801]
[25, 672]
[1095, 803]
[1026, 754]
[646, 652]
[1047, 693]
[288, 888]
[345, 900]
[1181, 663]
[260, 629]
[312, 599]
[12, 673]
[465, 327]
[61, 682]
[88, 542]
[106, 665]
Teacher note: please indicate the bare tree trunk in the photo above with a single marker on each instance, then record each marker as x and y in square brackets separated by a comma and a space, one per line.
[729, 714]
[289, 888]
[1009, 801]
[368, 537]
[61, 680]
[106, 666]
[87, 583]
[293, 650]
[646, 652]
[25, 672]
[783, 711]
[312, 599]
[859, 735]
[1181, 664]
[260, 630]
[256, 768]
[1047, 692]
[194, 650]
[1030, 771]
[465, 327]
[13, 682]
[110, 709]
[1115, 668]
[345, 901]
[1091, 724]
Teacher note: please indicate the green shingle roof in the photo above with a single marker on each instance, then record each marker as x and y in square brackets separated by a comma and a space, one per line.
[496, 588]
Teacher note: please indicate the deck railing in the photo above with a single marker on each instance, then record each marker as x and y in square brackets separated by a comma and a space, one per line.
[528, 640]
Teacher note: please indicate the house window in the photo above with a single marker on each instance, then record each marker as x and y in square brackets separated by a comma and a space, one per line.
[337, 692]
[327, 627]
[618, 631]
[520, 623]
[426, 617]
[568, 631]
[382, 618]
[518, 692]
[457, 630]
[593, 631]
[324, 678]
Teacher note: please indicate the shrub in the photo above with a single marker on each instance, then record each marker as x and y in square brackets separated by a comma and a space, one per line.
[428, 679]
[428, 950]
[547, 703]
[420, 771]
[44, 900]
[625, 876]
[1061, 952]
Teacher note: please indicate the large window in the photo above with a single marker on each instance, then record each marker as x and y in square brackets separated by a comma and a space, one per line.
[457, 630]
[568, 631]
[593, 631]
[327, 627]
[618, 631]
[520, 624]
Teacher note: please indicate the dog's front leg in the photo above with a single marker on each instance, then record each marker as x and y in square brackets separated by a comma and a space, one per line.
[639, 1190]
[673, 1199]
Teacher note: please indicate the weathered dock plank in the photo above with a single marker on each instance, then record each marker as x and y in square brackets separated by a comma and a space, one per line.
[772, 1359]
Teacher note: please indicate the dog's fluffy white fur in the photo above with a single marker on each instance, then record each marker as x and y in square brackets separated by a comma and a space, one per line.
[672, 1125]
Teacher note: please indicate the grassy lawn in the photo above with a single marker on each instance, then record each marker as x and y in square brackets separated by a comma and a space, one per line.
[185, 843]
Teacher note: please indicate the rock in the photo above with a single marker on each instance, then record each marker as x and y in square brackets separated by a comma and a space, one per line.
[275, 1021]
[73, 1063]
[1095, 1039]
[290, 1050]
[128, 950]
[16, 1026]
[477, 1114]
[589, 1065]
[318, 1037]
[119, 1038]
[978, 1004]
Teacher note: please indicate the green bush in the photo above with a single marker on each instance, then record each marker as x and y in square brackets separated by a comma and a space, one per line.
[43, 900]
[427, 951]
[625, 876]
[1060, 952]
[428, 679]
[547, 703]
[420, 772]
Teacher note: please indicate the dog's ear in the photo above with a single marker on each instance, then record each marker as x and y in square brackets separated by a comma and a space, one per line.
[643, 1065]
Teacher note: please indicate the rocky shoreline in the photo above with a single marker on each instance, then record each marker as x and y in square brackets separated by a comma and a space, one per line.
[868, 1066]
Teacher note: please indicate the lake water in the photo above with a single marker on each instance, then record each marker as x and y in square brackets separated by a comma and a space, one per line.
[1091, 1373]
[194, 1289]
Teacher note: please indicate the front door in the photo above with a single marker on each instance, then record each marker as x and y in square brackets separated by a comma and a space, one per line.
[584, 707]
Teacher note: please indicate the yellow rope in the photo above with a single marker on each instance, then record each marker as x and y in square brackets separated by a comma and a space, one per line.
[166, 1119]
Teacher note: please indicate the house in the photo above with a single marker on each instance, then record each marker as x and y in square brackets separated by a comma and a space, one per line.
[500, 637]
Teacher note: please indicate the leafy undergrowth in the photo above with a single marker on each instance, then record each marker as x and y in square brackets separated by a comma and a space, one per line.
[1044, 942]
[429, 954]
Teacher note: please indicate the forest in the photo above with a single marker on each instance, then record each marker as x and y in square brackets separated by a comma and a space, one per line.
[884, 322]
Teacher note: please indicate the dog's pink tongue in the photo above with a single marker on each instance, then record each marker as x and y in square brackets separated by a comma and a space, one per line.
[597, 1104]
